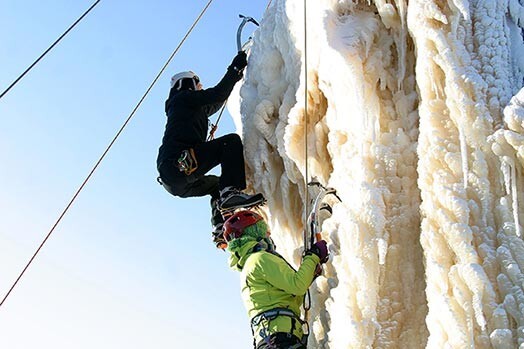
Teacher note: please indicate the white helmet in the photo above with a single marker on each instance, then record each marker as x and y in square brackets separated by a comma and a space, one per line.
[176, 80]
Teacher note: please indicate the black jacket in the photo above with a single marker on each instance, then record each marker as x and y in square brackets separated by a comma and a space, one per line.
[187, 115]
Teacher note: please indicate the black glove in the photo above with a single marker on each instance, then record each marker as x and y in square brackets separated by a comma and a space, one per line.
[320, 249]
[240, 61]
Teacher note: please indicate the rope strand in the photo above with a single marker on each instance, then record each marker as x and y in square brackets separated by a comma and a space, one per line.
[307, 304]
[214, 126]
[49, 49]
[268, 4]
[105, 152]
[306, 117]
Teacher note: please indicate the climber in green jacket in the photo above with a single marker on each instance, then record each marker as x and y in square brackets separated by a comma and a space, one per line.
[272, 290]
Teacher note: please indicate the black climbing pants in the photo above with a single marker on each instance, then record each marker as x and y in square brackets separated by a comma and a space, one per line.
[226, 151]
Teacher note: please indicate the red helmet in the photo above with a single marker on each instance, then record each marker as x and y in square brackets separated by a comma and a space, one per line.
[235, 225]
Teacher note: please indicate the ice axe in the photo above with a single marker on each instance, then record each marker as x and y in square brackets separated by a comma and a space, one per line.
[240, 47]
[245, 20]
[313, 231]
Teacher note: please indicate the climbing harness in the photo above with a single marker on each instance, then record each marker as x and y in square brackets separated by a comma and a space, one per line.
[272, 314]
[187, 161]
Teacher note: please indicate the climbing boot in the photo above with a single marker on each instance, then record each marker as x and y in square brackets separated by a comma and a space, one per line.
[218, 236]
[232, 199]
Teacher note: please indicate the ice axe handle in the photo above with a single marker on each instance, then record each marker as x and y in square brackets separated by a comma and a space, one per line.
[245, 19]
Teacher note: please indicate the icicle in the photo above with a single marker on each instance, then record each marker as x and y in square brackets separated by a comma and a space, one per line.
[464, 155]
[514, 197]
[506, 174]
[516, 11]
[402, 10]
[510, 181]
[376, 129]
[382, 250]
[370, 120]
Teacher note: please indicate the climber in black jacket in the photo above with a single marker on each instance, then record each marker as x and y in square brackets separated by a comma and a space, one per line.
[185, 157]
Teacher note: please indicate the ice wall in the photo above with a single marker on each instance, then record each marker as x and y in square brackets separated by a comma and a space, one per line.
[406, 119]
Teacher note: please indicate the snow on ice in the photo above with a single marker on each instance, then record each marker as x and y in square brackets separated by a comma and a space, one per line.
[416, 119]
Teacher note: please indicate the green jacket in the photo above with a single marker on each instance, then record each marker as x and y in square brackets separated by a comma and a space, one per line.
[269, 282]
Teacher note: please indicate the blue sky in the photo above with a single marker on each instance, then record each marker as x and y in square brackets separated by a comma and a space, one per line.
[129, 266]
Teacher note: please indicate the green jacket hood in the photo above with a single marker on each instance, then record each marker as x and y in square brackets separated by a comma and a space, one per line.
[239, 254]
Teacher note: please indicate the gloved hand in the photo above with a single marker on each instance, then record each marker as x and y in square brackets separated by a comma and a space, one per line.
[318, 271]
[320, 249]
[240, 61]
